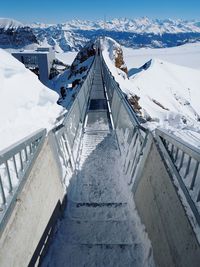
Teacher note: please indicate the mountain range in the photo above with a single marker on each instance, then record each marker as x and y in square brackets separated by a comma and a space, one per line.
[72, 35]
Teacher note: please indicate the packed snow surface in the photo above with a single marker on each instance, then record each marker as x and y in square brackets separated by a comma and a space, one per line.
[26, 105]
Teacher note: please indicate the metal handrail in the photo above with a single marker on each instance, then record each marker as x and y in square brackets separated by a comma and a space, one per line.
[131, 140]
[116, 87]
[16, 162]
[180, 155]
[179, 143]
[65, 144]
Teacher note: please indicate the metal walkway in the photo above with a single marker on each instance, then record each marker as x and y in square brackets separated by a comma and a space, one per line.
[98, 228]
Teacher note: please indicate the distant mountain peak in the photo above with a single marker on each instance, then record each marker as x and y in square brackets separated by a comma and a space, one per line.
[7, 23]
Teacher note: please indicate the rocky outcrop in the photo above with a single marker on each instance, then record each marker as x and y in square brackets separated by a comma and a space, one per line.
[80, 65]
[134, 101]
[119, 60]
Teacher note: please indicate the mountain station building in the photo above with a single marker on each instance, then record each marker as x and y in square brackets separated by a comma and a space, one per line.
[40, 61]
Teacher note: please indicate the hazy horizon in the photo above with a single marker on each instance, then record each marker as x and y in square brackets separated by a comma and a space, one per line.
[48, 11]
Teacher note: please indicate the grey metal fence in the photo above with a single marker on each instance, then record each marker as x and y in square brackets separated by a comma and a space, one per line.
[15, 164]
[67, 137]
[130, 134]
[183, 160]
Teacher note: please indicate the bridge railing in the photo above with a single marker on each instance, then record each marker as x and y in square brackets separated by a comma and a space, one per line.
[15, 163]
[131, 135]
[183, 160]
[67, 136]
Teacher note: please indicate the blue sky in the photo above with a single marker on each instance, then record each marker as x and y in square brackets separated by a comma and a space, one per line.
[61, 10]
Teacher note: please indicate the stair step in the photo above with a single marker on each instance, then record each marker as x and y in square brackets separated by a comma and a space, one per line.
[97, 211]
[94, 232]
[99, 255]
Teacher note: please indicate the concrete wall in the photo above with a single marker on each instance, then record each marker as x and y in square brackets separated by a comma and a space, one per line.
[33, 209]
[173, 240]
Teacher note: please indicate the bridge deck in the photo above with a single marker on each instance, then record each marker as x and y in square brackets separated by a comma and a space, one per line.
[99, 227]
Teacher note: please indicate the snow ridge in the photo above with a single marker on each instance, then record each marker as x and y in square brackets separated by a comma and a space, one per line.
[140, 25]
[6, 23]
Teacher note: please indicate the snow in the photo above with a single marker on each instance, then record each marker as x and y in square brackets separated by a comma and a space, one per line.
[169, 93]
[65, 80]
[187, 55]
[100, 225]
[26, 105]
[7, 23]
[138, 25]
[67, 57]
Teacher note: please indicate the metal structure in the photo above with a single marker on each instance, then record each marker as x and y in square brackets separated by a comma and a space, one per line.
[15, 164]
[130, 134]
[40, 61]
[183, 161]
[67, 135]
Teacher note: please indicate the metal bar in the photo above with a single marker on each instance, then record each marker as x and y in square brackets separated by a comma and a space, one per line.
[26, 154]
[15, 166]
[30, 149]
[172, 151]
[9, 177]
[179, 143]
[194, 175]
[176, 156]
[2, 191]
[21, 161]
[188, 167]
[198, 197]
[181, 162]
[174, 171]
[7, 153]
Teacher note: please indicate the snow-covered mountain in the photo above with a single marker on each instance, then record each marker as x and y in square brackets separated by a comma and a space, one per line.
[142, 25]
[14, 34]
[164, 94]
[72, 35]
[10, 24]
[129, 32]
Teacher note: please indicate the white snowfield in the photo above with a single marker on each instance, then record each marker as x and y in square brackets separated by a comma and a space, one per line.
[169, 93]
[187, 55]
[26, 105]
[7, 23]
[67, 58]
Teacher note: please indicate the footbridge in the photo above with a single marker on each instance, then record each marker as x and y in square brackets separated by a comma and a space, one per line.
[82, 194]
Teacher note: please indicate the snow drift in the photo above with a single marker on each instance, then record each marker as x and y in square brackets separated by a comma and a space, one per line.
[25, 104]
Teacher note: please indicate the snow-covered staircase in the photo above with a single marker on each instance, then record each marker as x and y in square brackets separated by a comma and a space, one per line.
[98, 228]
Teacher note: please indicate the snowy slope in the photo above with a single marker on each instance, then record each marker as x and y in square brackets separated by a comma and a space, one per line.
[67, 57]
[168, 93]
[26, 104]
[6, 24]
[187, 55]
